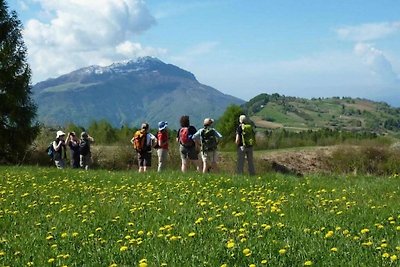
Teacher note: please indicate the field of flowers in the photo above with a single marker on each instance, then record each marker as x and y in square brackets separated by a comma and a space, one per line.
[100, 218]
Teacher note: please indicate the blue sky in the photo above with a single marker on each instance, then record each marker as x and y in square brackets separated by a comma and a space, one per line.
[243, 48]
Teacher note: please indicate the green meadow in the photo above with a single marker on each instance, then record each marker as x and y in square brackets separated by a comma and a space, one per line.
[50, 217]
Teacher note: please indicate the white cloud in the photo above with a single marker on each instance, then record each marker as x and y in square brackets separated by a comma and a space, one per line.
[80, 33]
[130, 50]
[377, 62]
[369, 31]
[332, 73]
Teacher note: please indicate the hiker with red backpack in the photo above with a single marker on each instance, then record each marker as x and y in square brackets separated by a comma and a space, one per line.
[162, 145]
[188, 148]
[208, 137]
[143, 141]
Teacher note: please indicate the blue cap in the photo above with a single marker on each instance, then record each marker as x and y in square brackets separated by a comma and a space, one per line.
[162, 125]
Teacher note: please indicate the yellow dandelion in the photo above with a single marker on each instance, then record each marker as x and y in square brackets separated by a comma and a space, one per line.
[247, 252]
[64, 235]
[367, 244]
[113, 265]
[123, 248]
[252, 265]
[230, 244]
[398, 228]
[2, 253]
[191, 234]
[365, 231]
[50, 237]
[329, 234]
[385, 255]
[98, 229]
[334, 250]
[224, 265]
[264, 262]
[308, 263]
[54, 246]
[75, 234]
[393, 258]
[282, 251]
[51, 260]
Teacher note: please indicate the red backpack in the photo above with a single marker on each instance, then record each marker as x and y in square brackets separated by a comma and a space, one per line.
[184, 137]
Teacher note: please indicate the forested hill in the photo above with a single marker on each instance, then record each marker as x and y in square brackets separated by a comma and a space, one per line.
[278, 111]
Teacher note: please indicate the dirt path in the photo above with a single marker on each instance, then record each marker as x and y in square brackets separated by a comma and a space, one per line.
[300, 162]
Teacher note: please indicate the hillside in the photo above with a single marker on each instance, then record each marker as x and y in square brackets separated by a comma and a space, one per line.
[145, 89]
[276, 111]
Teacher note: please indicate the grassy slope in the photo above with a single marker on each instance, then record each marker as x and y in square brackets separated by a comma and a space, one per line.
[100, 218]
[347, 113]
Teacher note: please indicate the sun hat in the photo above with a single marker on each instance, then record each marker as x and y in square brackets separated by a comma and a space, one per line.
[208, 122]
[242, 118]
[84, 135]
[145, 126]
[60, 133]
[162, 125]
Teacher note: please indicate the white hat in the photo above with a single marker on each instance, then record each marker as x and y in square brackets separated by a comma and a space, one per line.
[60, 133]
[242, 118]
[208, 121]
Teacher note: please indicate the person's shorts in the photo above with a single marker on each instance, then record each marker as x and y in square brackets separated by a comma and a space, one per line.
[144, 159]
[188, 152]
[209, 156]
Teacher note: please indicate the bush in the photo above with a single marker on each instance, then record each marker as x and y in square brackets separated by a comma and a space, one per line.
[377, 160]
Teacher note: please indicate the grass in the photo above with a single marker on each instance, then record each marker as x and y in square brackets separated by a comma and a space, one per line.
[104, 218]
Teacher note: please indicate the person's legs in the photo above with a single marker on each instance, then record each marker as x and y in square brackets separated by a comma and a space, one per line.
[162, 158]
[193, 156]
[204, 157]
[184, 157]
[250, 161]
[240, 160]
[214, 157]
[141, 162]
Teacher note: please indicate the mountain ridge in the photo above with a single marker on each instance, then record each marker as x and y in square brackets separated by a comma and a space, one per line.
[130, 92]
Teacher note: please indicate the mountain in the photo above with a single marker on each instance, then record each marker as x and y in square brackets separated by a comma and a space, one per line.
[292, 113]
[131, 92]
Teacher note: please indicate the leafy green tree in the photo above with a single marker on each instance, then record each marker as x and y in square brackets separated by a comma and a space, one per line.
[103, 132]
[228, 123]
[17, 110]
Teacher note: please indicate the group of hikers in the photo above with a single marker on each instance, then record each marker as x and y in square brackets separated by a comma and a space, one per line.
[80, 154]
[192, 143]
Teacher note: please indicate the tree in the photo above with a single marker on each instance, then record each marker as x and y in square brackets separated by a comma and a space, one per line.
[17, 110]
[228, 123]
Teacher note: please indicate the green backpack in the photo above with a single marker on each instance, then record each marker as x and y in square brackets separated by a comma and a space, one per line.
[208, 140]
[248, 136]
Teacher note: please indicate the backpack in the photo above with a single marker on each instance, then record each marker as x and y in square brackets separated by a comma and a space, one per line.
[184, 137]
[208, 139]
[139, 141]
[84, 147]
[248, 137]
[50, 151]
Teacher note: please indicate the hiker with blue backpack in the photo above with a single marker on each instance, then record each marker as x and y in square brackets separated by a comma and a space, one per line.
[208, 138]
[188, 148]
[59, 150]
[142, 142]
[245, 140]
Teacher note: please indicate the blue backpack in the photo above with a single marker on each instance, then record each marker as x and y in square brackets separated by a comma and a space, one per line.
[50, 151]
